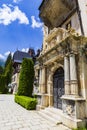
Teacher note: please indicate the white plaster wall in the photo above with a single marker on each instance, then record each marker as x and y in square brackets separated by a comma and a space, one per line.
[83, 9]
[74, 23]
[16, 78]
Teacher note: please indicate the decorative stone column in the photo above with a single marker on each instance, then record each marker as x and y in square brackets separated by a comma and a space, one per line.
[50, 88]
[73, 75]
[43, 81]
[67, 75]
[40, 80]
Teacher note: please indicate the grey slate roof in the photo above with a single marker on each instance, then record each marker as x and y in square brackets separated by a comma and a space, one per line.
[19, 56]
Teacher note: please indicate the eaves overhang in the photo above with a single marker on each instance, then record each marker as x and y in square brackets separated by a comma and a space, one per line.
[54, 12]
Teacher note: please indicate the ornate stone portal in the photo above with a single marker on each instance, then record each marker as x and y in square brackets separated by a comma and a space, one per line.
[66, 56]
[63, 82]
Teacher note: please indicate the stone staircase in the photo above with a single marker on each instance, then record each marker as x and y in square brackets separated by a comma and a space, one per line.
[51, 114]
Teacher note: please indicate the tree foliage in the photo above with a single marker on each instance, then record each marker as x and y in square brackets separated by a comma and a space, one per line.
[9, 58]
[1, 70]
[26, 78]
[3, 88]
[8, 72]
[5, 75]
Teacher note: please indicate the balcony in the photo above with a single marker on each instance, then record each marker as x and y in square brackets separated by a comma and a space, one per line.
[54, 38]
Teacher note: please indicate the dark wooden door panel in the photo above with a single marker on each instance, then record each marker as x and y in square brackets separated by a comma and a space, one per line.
[58, 87]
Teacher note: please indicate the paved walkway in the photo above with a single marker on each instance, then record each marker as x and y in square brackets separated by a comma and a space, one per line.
[14, 117]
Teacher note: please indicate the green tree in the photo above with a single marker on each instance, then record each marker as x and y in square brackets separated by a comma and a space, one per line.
[3, 88]
[9, 58]
[26, 78]
[8, 72]
[6, 75]
[1, 70]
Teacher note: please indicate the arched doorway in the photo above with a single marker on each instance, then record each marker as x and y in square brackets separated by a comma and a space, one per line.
[58, 87]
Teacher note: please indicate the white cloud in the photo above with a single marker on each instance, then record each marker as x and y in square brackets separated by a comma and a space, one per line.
[8, 14]
[2, 57]
[25, 49]
[16, 1]
[36, 24]
[7, 53]
[12, 53]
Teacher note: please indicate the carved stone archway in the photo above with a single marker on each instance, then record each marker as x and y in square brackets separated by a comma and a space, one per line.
[50, 82]
[58, 87]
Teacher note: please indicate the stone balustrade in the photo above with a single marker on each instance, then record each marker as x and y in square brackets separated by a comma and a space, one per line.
[54, 37]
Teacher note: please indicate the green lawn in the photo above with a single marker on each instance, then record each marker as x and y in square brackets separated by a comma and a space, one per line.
[80, 129]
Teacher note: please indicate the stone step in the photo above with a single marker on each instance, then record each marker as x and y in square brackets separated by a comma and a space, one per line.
[55, 111]
[50, 116]
[39, 107]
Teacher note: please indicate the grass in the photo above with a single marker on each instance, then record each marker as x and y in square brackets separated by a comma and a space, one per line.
[80, 129]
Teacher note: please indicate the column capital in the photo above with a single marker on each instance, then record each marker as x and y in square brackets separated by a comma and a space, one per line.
[72, 54]
[44, 66]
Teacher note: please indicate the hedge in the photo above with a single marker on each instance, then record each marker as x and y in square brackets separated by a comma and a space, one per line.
[27, 102]
[80, 129]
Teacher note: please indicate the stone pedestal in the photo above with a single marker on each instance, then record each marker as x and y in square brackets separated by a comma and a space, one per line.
[74, 111]
[73, 75]
[44, 100]
[67, 76]
[72, 104]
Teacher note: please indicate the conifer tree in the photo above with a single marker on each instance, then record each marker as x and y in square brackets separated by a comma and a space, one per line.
[6, 75]
[9, 58]
[1, 70]
[26, 78]
[8, 72]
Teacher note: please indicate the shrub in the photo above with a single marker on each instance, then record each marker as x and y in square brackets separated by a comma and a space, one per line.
[3, 87]
[27, 102]
[26, 78]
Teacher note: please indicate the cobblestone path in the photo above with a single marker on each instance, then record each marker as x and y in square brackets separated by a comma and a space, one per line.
[14, 117]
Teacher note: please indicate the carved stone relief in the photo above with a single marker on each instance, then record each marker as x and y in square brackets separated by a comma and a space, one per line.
[69, 107]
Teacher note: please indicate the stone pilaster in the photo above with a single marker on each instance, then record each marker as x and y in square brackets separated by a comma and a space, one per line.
[50, 93]
[40, 80]
[43, 80]
[73, 75]
[67, 75]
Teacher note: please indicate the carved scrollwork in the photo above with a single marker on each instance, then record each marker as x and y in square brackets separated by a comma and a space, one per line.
[69, 109]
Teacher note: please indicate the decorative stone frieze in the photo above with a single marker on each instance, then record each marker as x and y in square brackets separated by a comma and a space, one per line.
[69, 107]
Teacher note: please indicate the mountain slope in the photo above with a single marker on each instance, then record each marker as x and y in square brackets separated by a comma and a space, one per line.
[2, 62]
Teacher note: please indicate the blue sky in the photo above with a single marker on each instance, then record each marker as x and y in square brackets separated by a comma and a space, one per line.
[20, 26]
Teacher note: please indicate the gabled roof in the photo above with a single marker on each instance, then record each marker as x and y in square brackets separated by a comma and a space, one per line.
[19, 56]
